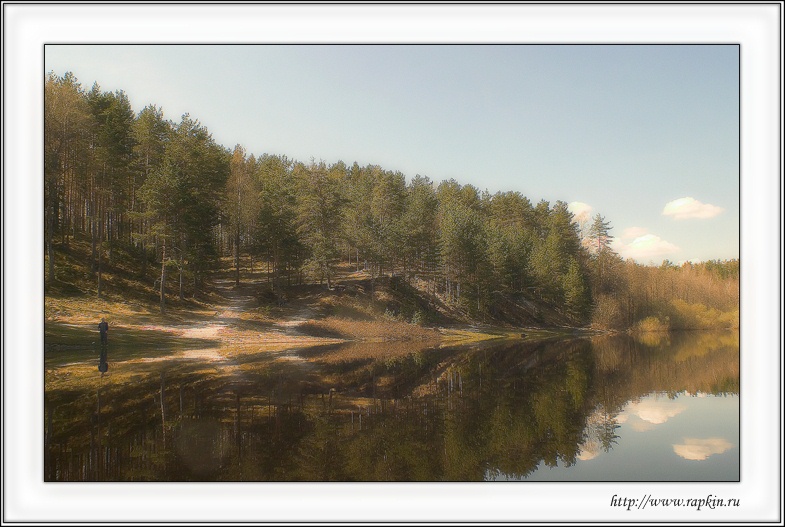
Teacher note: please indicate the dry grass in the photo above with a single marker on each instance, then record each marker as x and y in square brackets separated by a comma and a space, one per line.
[360, 351]
[336, 327]
[88, 311]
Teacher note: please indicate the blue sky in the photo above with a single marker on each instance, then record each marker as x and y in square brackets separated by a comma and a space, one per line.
[648, 136]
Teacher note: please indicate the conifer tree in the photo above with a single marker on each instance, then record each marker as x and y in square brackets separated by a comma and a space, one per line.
[318, 213]
[67, 125]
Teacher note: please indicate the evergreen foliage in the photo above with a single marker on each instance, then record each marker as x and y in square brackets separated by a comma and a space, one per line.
[168, 193]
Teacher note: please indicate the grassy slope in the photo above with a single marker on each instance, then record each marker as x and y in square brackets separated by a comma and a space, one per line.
[357, 309]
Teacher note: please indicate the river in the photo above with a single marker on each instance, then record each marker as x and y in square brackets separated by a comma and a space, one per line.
[660, 408]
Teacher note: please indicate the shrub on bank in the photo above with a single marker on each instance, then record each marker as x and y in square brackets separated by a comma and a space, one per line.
[653, 324]
[699, 316]
[607, 313]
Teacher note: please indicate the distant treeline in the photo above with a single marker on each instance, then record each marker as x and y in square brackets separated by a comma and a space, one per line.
[167, 193]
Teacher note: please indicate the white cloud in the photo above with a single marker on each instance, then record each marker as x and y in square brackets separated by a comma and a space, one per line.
[645, 247]
[699, 449]
[630, 233]
[685, 208]
[581, 211]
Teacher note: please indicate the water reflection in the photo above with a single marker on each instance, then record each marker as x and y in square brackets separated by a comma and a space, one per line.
[376, 412]
[649, 412]
[103, 366]
[700, 449]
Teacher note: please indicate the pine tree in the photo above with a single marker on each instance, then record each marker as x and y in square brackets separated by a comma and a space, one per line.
[603, 255]
[575, 290]
[318, 210]
[67, 125]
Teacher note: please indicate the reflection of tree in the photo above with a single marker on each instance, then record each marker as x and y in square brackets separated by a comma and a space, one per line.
[396, 446]
[320, 455]
[600, 432]
[688, 361]
[607, 432]
[432, 415]
[538, 396]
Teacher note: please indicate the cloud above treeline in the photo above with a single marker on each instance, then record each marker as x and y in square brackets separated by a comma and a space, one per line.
[635, 242]
[689, 208]
[643, 246]
[581, 211]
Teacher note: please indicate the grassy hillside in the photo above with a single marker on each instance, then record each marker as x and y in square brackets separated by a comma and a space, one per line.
[355, 308]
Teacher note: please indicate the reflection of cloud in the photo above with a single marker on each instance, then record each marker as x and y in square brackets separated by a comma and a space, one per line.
[581, 211]
[641, 426]
[652, 412]
[685, 208]
[657, 412]
[699, 449]
[589, 452]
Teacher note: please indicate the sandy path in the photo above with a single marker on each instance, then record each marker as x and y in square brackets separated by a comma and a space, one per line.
[238, 302]
[224, 324]
[281, 336]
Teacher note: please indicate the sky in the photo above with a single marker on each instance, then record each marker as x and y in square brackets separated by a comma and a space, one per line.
[645, 135]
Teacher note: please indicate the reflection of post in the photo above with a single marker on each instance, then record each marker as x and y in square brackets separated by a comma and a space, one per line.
[48, 441]
[237, 433]
[103, 366]
[163, 406]
[98, 454]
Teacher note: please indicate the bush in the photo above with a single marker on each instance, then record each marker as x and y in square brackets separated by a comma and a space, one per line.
[653, 324]
[699, 316]
[607, 313]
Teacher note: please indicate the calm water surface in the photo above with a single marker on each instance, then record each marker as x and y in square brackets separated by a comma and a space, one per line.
[602, 409]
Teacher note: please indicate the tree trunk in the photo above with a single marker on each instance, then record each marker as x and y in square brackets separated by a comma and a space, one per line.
[181, 280]
[100, 251]
[50, 247]
[110, 225]
[93, 239]
[143, 262]
[237, 256]
[163, 277]
[100, 278]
